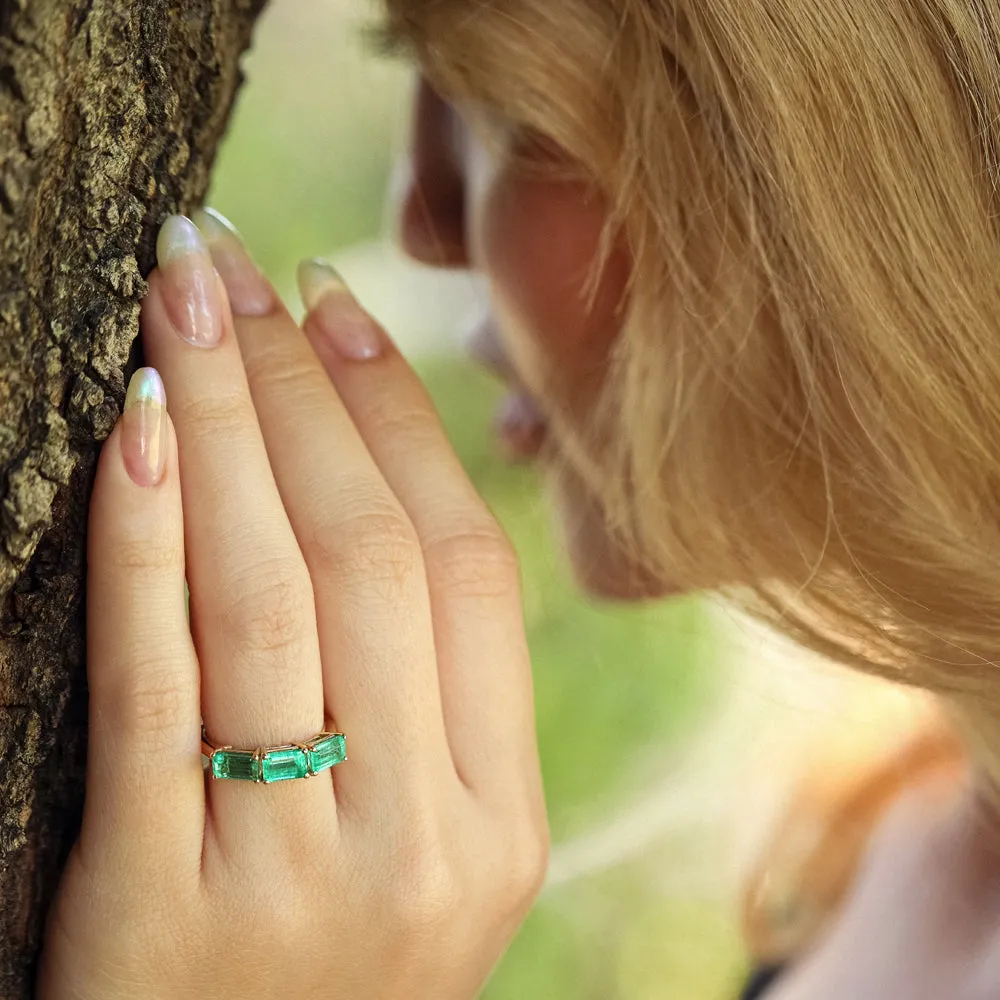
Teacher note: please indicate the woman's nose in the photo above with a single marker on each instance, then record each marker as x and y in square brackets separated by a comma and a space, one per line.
[430, 196]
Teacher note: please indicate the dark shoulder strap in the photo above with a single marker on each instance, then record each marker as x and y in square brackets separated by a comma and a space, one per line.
[760, 981]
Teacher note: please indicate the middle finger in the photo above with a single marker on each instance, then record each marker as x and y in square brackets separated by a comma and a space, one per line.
[252, 606]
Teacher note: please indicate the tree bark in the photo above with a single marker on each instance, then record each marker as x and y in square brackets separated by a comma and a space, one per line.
[110, 115]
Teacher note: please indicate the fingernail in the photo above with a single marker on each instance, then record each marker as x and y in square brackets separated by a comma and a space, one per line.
[144, 428]
[250, 294]
[191, 293]
[336, 314]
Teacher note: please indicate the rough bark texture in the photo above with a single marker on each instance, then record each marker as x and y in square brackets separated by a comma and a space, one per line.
[110, 115]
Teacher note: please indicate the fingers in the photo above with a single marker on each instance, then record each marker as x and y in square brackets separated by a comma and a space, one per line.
[483, 662]
[144, 775]
[365, 477]
[364, 558]
[252, 606]
[321, 460]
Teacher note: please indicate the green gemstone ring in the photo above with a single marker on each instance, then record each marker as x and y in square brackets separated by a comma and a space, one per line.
[269, 764]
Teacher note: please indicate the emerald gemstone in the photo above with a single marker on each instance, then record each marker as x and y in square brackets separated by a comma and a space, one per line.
[327, 752]
[236, 765]
[284, 765]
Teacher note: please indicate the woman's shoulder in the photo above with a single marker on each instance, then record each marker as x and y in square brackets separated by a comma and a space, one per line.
[911, 909]
[922, 918]
[841, 807]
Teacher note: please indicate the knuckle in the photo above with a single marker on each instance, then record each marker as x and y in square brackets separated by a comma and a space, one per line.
[273, 610]
[416, 424]
[529, 865]
[216, 417]
[139, 554]
[428, 892]
[513, 874]
[377, 542]
[385, 542]
[152, 702]
[478, 560]
[277, 370]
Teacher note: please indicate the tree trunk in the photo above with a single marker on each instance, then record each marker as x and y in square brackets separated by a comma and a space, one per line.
[110, 115]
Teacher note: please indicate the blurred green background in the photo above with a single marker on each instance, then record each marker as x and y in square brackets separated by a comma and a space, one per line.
[620, 691]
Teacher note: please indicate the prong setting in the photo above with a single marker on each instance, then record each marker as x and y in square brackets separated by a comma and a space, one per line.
[268, 765]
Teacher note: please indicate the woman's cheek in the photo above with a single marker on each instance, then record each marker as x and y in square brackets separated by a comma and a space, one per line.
[538, 241]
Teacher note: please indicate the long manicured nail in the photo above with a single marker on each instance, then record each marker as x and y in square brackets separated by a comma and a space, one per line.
[250, 294]
[334, 311]
[191, 293]
[144, 428]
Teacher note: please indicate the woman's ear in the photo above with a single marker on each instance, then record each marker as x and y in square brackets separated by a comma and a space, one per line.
[431, 197]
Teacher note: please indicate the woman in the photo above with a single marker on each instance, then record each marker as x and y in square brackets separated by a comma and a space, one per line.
[743, 264]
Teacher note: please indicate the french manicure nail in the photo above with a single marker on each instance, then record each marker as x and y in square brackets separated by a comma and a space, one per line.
[191, 293]
[144, 426]
[318, 278]
[334, 311]
[250, 294]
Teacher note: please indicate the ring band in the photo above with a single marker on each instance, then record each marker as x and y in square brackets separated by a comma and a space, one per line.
[265, 765]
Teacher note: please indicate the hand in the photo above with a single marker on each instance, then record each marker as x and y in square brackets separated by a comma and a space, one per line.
[343, 572]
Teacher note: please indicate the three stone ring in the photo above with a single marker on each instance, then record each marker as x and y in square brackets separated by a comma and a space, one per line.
[278, 763]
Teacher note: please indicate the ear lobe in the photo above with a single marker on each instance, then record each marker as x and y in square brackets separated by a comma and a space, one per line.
[431, 202]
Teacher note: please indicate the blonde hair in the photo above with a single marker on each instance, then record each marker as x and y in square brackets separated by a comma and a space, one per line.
[804, 404]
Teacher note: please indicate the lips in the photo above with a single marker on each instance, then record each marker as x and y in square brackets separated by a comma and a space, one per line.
[519, 423]
[485, 348]
[520, 427]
